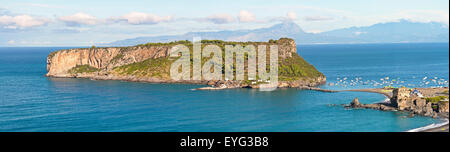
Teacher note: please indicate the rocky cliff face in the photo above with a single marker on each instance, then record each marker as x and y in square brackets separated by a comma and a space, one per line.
[401, 99]
[59, 63]
[444, 107]
[405, 101]
[286, 48]
[118, 63]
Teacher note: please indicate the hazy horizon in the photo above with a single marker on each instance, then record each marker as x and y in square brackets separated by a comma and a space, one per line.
[85, 23]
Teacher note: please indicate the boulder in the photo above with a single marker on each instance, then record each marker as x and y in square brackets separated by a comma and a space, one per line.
[401, 92]
[435, 116]
[443, 107]
[283, 85]
[387, 108]
[212, 83]
[420, 102]
[404, 104]
[372, 106]
[355, 103]
[401, 99]
[428, 110]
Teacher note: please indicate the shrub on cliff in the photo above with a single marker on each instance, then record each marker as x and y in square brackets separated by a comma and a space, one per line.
[291, 67]
[296, 67]
[83, 69]
[152, 67]
[436, 99]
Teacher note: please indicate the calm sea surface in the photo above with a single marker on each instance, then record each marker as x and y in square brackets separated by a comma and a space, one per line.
[31, 102]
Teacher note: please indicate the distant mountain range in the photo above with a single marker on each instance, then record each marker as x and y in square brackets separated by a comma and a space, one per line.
[392, 32]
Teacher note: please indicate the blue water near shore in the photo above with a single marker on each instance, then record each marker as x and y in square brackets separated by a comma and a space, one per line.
[31, 102]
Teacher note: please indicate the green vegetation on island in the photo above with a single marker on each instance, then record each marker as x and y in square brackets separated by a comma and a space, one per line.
[296, 67]
[290, 68]
[436, 99]
[159, 68]
[151, 60]
[83, 69]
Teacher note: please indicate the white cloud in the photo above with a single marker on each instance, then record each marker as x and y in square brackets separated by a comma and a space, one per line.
[43, 5]
[314, 31]
[424, 16]
[359, 33]
[79, 19]
[11, 42]
[245, 16]
[291, 15]
[21, 21]
[12, 27]
[220, 18]
[142, 18]
[317, 18]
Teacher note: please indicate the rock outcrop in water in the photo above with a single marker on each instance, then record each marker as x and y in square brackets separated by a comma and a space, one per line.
[403, 99]
[355, 103]
[151, 63]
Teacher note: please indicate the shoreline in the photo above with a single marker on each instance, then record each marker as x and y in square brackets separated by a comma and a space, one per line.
[209, 84]
[440, 127]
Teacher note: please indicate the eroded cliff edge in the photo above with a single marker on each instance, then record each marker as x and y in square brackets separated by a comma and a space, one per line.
[151, 63]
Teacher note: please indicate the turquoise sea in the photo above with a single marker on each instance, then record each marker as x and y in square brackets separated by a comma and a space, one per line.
[31, 102]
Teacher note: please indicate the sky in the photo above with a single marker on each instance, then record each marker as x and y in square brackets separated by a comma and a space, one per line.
[89, 22]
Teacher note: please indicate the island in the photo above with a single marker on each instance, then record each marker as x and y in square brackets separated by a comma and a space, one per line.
[151, 63]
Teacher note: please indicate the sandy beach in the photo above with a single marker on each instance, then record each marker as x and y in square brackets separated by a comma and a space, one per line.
[443, 128]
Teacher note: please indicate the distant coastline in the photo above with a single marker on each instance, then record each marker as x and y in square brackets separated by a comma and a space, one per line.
[408, 33]
[299, 44]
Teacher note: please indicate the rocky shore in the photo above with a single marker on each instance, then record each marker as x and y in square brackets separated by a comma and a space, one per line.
[410, 101]
[301, 84]
[213, 85]
[404, 99]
